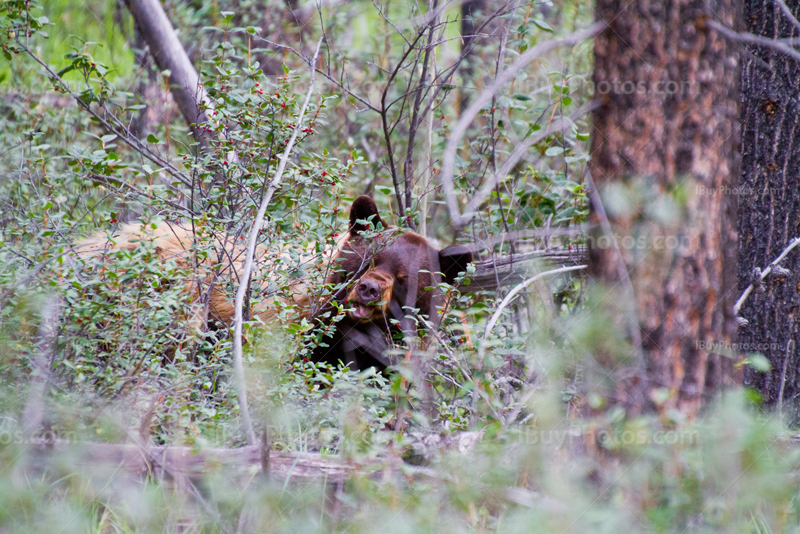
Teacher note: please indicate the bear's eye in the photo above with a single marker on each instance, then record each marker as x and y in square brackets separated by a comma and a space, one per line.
[401, 277]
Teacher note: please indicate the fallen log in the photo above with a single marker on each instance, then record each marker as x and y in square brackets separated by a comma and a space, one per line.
[494, 272]
[176, 462]
[173, 461]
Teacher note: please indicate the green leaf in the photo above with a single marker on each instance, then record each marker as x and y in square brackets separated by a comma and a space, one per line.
[521, 96]
[152, 139]
[385, 190]
[582, 136]
[566, 100]
[542, 25]
[759, 362]
[554, 151]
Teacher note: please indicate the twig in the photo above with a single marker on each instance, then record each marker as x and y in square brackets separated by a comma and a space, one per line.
[599, 210]
[33, 413]
[754, 39]
[783, 378]
[120, 131]
[520, 287]
[764, 274]
[448, 163]
[788, 13]
[488, 188]
[252, 239]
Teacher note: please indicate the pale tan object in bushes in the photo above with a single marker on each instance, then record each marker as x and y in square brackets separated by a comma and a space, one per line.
[224, 262]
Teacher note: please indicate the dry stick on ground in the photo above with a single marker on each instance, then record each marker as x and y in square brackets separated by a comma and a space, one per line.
[772, 266]
[520, 287]
[448, 164]
[244, 279]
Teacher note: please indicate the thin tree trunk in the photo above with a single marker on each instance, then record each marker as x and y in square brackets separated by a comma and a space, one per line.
[470, 10]
[663, 156]
[147, 90]
[170, 55]
[770, 206]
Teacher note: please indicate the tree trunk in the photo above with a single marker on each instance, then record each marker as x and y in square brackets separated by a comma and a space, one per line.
[663, 157]
[770, 207]
[169, 54]
[470, 10]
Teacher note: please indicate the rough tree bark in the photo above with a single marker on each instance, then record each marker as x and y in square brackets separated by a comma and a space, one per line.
[769, 216]
[663, 157]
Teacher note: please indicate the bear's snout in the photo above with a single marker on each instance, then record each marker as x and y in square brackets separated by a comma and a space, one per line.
[368, 291]
[370, 297]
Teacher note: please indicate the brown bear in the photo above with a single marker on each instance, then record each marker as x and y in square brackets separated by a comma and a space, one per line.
[382, 276]
[387, 277]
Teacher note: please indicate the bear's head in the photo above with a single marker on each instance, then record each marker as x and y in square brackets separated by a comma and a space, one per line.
[387, 274]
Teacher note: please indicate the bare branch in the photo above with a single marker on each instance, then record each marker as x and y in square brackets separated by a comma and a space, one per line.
[764, 274]
[252, 239]
[448, 163]
[520, 287]
[596, 204]
[488, 187]
[755, 39]
[788, 13]
[121, 130]
[33, 414]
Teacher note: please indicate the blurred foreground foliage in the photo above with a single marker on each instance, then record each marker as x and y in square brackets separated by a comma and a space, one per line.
[731, 471]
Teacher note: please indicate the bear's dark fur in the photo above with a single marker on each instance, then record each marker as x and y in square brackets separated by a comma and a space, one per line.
[385, 274]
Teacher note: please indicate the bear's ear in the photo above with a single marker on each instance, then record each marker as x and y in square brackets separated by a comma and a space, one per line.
[363, 208]
[454, 260]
